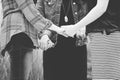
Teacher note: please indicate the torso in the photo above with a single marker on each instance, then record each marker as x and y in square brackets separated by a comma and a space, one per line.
[109, 20]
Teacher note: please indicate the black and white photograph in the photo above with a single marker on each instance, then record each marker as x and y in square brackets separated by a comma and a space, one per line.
[59, 40]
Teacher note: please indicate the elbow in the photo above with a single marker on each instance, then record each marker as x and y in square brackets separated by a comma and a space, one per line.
[102, 5]
[102, 10]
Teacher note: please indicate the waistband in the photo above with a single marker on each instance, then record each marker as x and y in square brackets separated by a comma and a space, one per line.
[104, 31]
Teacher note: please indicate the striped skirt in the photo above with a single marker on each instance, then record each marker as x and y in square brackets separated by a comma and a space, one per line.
[105, 55]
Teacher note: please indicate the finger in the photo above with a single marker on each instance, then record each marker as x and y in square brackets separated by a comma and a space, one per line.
[39, 42]
[42, 46]
[69, 32]
[64, 34]
[50, 44]
[71, 35]
[47, 45]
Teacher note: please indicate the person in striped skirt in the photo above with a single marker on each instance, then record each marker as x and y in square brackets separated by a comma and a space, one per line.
[104, 45]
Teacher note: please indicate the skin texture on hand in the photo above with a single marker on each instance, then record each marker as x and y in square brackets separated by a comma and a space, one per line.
[81, 31]
[70, 30]
[59, 30]
[45, 43]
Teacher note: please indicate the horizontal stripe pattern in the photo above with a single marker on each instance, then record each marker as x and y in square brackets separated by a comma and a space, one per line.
[105, 55]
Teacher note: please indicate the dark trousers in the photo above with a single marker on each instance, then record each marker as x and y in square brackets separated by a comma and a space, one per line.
[65, 61]
[19, 45]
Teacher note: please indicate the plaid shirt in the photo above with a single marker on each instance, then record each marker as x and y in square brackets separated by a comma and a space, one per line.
[21, 16]
[51, 9]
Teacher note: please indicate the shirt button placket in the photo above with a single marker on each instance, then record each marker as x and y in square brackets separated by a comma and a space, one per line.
[76, 13]
[49, 3]
[74, 3]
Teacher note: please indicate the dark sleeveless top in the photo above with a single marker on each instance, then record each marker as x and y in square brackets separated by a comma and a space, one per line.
[65, 5]
[109, 21]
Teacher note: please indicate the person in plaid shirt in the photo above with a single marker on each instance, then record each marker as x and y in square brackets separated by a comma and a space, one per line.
[21, 26]
[68, 59]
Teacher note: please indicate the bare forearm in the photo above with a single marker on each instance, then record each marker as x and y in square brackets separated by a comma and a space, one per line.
[94, 14]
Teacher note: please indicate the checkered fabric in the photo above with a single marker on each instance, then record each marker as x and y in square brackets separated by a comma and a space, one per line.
[21, 16]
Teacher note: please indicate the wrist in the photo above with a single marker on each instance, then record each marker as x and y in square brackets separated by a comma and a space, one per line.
[54, 28]
[78, 26]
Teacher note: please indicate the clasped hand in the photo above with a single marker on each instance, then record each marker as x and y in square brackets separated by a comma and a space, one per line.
[71, 30]
[66, 31]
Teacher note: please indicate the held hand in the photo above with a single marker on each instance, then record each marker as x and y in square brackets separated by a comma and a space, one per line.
[81, 35]
[59, 30]
[70, 30]
[62, 32]
[81, 32]
[45, 42]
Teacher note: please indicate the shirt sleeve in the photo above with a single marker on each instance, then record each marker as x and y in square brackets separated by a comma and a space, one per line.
[40, 8]
[31, 13]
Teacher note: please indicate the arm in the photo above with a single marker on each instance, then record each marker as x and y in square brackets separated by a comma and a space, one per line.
[51, 32]
[35, 18]
[94, 14]
[40, 7]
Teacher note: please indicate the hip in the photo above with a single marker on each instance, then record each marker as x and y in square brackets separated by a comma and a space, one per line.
[103, 40]
[115, 34]
[106, 30]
